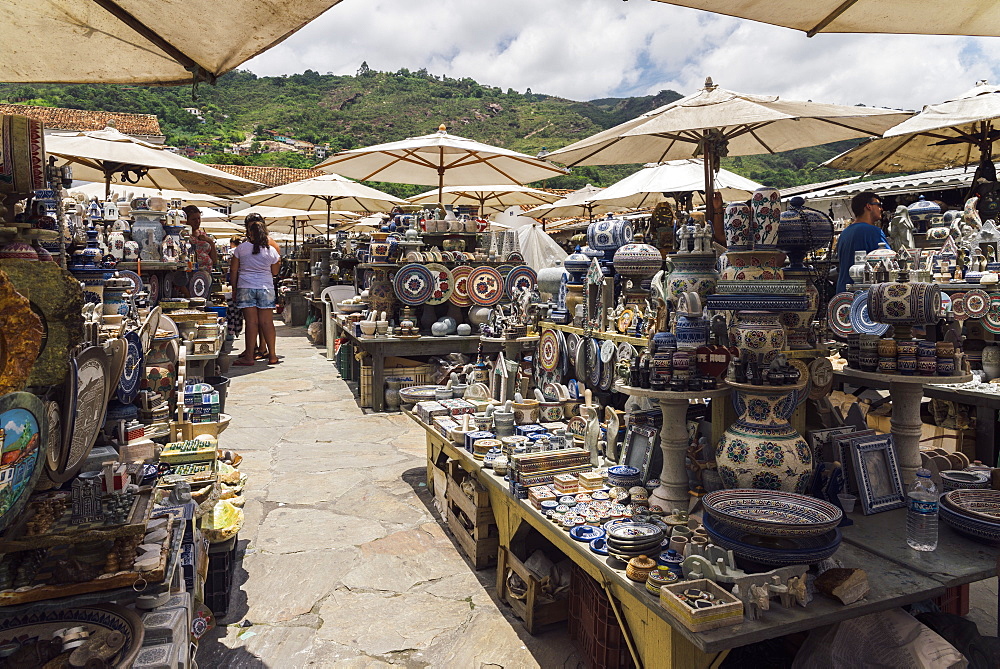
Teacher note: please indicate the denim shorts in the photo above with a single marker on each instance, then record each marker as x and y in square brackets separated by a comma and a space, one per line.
[262, 298]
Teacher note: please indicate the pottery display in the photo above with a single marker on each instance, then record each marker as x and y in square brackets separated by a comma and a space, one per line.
[690, 272]
[904, 303]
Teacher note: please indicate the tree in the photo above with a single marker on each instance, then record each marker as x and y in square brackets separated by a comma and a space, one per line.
[364, 70]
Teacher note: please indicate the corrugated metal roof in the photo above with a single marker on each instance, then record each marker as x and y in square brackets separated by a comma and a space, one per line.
[955, 177]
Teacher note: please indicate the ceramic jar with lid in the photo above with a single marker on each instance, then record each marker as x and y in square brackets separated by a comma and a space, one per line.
[758, 335]
[691, 272]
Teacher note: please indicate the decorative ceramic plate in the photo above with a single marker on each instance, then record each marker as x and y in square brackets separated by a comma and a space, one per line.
[131, 376]
[41, 625]
[599, 546]
[415, 394]
[982, 505]
[68, 417]
[520, 278]
[53, 416]
[586, 533]
[200, 283]
[153, 281]
[460, 286]
[572, 344]
[580, 362]
[973, 527]
[414, 284]
[630, 531]
[594, 371]
[838, 313]
[772, 513]
[946, 305]
[486, 286]
[505, 269]
[773, 551]
[166, 286]
[861, 321]
[991, 321]
[91, 403]
[563, 352]
[958, 311]
[442, 283]
[608, 350]
[25, 429]
[116, 350]
[148, 328]
[548, 350]
[133, 277]
[977, 303]
[514, 256]
[608, 371]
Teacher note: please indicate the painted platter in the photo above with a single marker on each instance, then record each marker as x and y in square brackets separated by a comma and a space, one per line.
[548, 350]
[505, 269]
[982, 504]
[153, 283]
[838, 314]
[442, 284]
[520, 278]
[514, 256]
[572, 344]
[200, 283]
[630, 531]
[958, 311]
[977, 303]
[593, 363]
[460, 286]
[486, 286]
[414, 284]
[133, 277]
[991, 321]
[116, 350]
[576, 426]
[415, 394]
[608, 350]
[166, 286]
[580, 362]
[563, 353]
[68, 418]
[53, 413]
[861, 320]
[92, 381]
[973, 527]
[131, 376]
[34, 626]
[25, 439]
[772, 513]
[772, 551]
[946, 305]
[608, 369]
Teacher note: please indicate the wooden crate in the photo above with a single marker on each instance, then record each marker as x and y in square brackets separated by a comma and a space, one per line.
[536, 609]
[482, 552]
[476, 508]
[417, 373]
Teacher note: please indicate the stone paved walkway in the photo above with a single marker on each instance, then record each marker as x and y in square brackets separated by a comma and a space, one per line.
[344, 563]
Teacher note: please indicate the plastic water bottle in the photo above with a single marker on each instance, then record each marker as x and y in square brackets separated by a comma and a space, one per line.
[922, 513]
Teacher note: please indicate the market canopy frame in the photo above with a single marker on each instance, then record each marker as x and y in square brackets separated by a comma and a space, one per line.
[488, 198]
[654, 183]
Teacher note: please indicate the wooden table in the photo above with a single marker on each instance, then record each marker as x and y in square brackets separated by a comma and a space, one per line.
[898, 575]
[906, 393]
[987, 407]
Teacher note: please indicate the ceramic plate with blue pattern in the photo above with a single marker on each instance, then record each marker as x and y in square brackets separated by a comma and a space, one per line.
[861, 320]
[414, 284]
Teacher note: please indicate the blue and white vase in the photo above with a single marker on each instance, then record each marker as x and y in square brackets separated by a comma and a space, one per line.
[691, 331]
[690, 272]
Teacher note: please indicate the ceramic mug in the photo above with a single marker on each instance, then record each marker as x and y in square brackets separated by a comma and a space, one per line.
[946, 366]
[945, 349]
[927, 365]
[906, 365]
[678, 544]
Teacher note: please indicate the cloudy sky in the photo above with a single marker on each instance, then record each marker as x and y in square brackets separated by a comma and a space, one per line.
[586, 49]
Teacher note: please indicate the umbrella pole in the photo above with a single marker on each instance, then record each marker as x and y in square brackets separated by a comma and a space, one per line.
[709, 185]
[295, 241]
[441, 184]
[329, 203]
[107, 185]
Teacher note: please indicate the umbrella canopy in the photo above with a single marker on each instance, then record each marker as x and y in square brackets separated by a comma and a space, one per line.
[440, 159]
[272, 214]
[487, 198]
[716, 122]
[135, 42]
[654, 183]
[208, 214]
[221, 228]
[128, 191]
[950, 134]
[578, 203]
[110, 156]
[959, 17]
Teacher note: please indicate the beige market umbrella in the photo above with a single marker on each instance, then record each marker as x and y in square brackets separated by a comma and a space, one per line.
[95, 189]
[950, 134]
[487, 198]
[577, 203]
[321, 193]
[715, 122]
[957, 17]
[112, 157]
[289, 221]
[440, 159]
[654, 183]
[141, 42]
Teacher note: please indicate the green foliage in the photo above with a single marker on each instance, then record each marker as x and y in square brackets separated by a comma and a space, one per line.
[374, 107]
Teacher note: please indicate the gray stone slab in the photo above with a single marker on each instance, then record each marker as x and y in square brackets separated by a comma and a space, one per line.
[282, 587]
[290, 530]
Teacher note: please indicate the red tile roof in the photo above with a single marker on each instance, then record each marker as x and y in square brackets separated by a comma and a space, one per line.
[57, 118]
[268, 175]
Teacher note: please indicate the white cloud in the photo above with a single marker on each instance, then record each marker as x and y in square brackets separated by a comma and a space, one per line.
[11, 427]
[586, 49]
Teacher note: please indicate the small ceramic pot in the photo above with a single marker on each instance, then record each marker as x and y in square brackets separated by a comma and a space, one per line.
[946, 366]
[927, 365]
[571, 408]
[500, 464]
[680, 363]
[945, 349]
[887, 365]
[382, 328]
[526, 412]
[926, 349]
[908, 347]
[482, 421]
[906, 365]
[678, 544]
[868, 361]
[680, 531]
[442, 394]
[368, 328]
[887, 348]
[551, 412]
[504, 422]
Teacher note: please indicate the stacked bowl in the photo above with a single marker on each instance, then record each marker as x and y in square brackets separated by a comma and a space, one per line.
[975, 513]
[624, 476]
[629, 539]
[772, 527]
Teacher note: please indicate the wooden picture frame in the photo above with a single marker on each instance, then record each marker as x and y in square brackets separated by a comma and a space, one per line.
[880, 486]
[640, 443]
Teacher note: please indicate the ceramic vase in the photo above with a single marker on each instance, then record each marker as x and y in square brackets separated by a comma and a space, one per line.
[691, 272]
[802, 229]
[991, 362]
[798, 324]
[737, 221]
[381, 295]
[758, 335]
[691, 331]
[392, 398]
[637, 261]
[765, 203]
[754, 266]
[761, 449]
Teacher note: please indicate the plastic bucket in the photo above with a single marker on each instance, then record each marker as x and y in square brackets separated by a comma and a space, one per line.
[221, 384]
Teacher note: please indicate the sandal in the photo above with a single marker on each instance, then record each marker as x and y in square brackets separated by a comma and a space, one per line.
[240, 362]
[276, 361]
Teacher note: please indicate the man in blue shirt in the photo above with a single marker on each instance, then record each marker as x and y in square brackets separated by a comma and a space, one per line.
[861, 235]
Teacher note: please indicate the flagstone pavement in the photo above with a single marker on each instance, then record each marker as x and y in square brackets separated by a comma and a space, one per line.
[343, 562]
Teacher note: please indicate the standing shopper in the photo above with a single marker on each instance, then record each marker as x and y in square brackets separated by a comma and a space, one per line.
[252, 270]
[203, 243]
[864, 234]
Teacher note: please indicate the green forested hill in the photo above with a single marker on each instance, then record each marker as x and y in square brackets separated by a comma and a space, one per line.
[373, 107]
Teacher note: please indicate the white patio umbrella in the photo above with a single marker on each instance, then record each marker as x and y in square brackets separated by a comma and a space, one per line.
[578, 203]
[940, 136]
[208, 214]
[487, 198]
[654, 183]
[440, 159]
[321, 193]
[715, 122]
[286, 220]
[97, 189]
[135, 42]
[110, 156]
[904, 17]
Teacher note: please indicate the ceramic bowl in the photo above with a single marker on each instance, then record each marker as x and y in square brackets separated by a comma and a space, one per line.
[772, 513]
[962, 480]
[772, 551]
[978, 529]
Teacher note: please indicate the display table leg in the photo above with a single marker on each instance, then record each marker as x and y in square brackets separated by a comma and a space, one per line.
[905, 425]
[328, 329]
[378, 383]
[673, 490]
